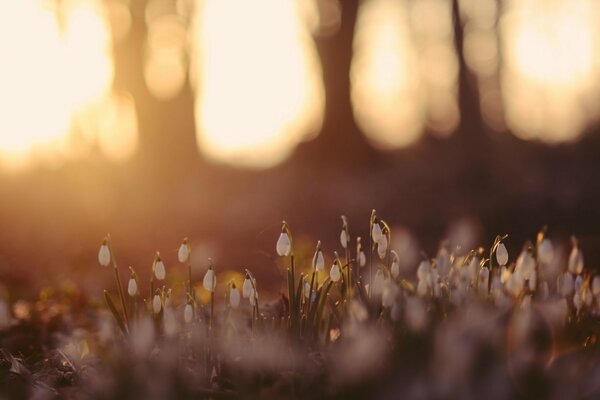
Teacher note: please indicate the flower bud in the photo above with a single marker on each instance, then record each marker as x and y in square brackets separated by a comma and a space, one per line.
[159, 269]
[210, 280]
[344, 238]
[247, 288]
[376, 232]
[318, 261]
[234, 297]
[395, 268]
[575, 259]
[545, 251]
[284, 247]
[184, 252]
[334, 273]
[306, 290]
[188, 313]
[104, 254]
[501, 254]
[156, 304]
[132, 287]
[362, 259]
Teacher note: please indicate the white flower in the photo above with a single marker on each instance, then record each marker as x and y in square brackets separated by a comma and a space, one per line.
[382, 245]
[362, 259]
[424, 270]
[188, 313]
[484, 278]
[378, 283]
[156, 304]
[525, 264]
[576, 260]
[334, 273]
[395, 268]
[306, 290]
[596, 285]
[184, 252]
[501, 254]
[104, 255]
[210, 280]
[422, 287]
[247, 288]
[318, 261]
[376, 232]
[388, 297]
[344, 238]
[159, 269]
[234, 297]
[565, 284]
[284, 247]
[545, 251]
[132, 287]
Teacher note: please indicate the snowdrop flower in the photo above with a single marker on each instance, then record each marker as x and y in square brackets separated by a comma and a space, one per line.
[360, 254]
[132, 287]
[234, 296]
[104, 254]
[344, 235]
[247, 288]
[443, 260]
[575, 259]
[424, 271]
[578, 282]
[484, 278]
[395, 268]
[422, 288]
[525, 264]
[183, 254]
[334, 273]
[188, 313]
[565, 284]
[156, 304]
[376, 232]
[545, 251]
[577, 301]
[382, 246]
[378, 282]
[210, 279]
[389, 294]
[501, 254]
[306, 289]
[159, 268]
[318, 261]
[284, 244]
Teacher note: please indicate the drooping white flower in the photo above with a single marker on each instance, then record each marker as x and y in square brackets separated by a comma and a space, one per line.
[132, 287]
[234, 297]
[422, 287]
[156, 304]
[210, 280]
[284, 246]
[545, 251]
[247, 288]
[334, 273]
[318, 261]
[382, 245]
[362, 259]
[395, 267]
[344, 238]
[576, 260]
[306, 290]
[188, 313]
[104, 255]
[525, 264]
[376, 232]
[159, 269]
[501, 254]
[183, 254]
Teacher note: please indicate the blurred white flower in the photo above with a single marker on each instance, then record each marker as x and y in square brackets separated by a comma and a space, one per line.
[210, 280]
[132, 287]
[378, 283]
[501, 254]
[389, 294]
[484, 278]
[306, 290]
[318, 261]
[159, 269]
[156, 304]
[545, 251]
[575, 259]
[247, 288]
[334, 273]
[234, 297]
[344, 238]
[104, 255]
[565, 284]
[395, 268]
[376, 232]
[382, 245]
[362, 259]
[188, 313]
[284, 247]
[424, 270]
[183, 254]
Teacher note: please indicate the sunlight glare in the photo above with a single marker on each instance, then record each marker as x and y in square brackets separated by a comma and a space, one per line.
[257, 79]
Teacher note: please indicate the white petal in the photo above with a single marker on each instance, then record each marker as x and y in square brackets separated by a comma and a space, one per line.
[344, 238]
[132, 287]
[546, 251]
[210, 280]
[247, 288]
[104, 255]
[362, 259]
[382, 246]
[501, 254]
[184, 253]
[318, 261]
[376, 232]
[234, 298]
[159, 270]
[156, 304]
[395, 269]
[283, 245]
[334, 274]
[576, 261]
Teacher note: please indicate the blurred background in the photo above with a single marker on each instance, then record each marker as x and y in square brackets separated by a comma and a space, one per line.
[215, 119]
